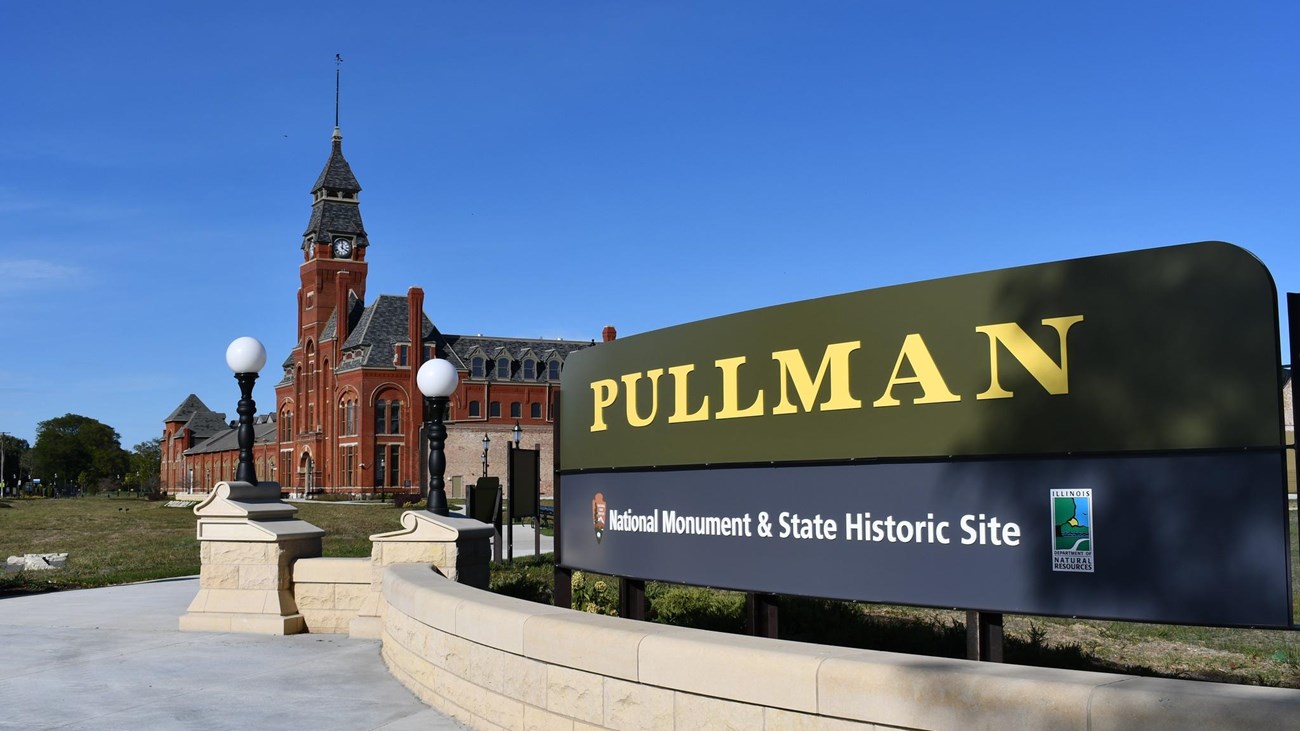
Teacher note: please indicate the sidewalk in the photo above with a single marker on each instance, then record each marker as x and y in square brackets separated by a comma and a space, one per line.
[113, 658]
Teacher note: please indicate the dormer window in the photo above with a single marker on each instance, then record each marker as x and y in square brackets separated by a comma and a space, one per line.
[530, 369]
[553, 370]
[477, 367]
[401, 355]
[503, 368]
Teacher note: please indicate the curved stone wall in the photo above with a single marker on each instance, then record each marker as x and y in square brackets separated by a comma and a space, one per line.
[497, 662]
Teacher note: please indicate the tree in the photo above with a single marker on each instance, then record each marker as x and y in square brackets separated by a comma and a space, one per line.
[15, 451]
[79, 449]
[146, 465]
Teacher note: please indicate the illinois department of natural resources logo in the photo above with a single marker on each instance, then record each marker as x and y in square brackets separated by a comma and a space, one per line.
[598, 515]
[1072, 537]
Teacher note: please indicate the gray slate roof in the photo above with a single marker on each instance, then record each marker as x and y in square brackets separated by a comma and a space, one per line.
[463, 348]
[188, 407]
[337, 174]
[206, 423]
[382, 325]
[331, 217]
[228, 438]
[355, 310]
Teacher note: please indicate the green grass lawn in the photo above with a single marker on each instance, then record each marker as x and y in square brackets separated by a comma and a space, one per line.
[121, 540]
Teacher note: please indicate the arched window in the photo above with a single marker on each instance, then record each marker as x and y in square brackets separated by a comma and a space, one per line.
[503, 367]
[286, 425]
[535, 411]
[348, 416]
[530, 369]
[388, 416]
[476, 367]
[516, 410]
[553, 370]
[494, 408]
[475, 409]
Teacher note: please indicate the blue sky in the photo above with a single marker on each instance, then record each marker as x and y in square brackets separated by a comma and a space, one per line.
[548, 168]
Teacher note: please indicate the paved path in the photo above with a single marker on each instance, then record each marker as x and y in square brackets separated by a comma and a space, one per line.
[112, 658]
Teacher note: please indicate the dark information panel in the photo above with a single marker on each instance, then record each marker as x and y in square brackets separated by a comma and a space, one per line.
[1195, 539]
[1162, 349]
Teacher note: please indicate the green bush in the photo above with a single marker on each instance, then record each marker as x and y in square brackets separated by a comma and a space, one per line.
[696, 606]
[595, 593]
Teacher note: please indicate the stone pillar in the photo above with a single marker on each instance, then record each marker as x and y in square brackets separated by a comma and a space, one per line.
[457, 547]
[248, 542]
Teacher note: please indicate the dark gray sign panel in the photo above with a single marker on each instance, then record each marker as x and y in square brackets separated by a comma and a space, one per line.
[1191, 539]
[1173, 348]
[1098, 437]
[525, 482]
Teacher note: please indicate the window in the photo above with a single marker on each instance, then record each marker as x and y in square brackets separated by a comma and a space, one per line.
[348, 418]
[494, 409]
[388, 417]
[516, 410]
[553, 370]
[503, 368]
[530, 369]
[428, 352]
[402, 356]
[286, 426]
[388, 465]
[475, 409]
[347, 460]
[476, 367]
[535, 411]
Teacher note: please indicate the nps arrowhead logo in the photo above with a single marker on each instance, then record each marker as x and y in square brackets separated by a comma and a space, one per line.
[598, 515]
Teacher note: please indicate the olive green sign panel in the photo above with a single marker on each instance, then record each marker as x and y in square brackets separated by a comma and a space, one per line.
[1162, 349]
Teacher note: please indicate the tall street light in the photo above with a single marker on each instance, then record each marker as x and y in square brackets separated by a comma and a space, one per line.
[517, 433]
[246, 356]
[486, 442]
[437, 381]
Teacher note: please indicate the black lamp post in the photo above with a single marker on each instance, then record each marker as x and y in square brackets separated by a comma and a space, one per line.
[486, 442]
[246, 356]
[437, 381]
[517, 433]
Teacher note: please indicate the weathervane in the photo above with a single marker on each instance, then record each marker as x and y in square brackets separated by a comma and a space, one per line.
[338, 63]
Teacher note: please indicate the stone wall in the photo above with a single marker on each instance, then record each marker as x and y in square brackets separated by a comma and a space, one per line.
[330, 591]
[495, 662]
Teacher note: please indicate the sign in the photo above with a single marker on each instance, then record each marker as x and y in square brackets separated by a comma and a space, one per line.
[524, 482]
[1173, 348]
[1099, 437]
[1177, 539]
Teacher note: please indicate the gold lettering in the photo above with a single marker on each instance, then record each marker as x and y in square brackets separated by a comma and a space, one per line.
[630, 380]
[835, 359]
[934, 389]
[604, 392]
[1055, 379]
[730, 368]
[682, 401]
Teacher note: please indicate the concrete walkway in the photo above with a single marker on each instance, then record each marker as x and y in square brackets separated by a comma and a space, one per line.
[113, 658]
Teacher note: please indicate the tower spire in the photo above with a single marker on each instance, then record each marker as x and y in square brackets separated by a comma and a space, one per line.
[338, 62]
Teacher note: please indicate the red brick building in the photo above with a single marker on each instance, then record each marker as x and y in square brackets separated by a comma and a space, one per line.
[348, 416]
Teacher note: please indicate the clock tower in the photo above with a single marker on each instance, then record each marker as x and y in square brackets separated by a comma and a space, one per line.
[334, 243]
[331, 299]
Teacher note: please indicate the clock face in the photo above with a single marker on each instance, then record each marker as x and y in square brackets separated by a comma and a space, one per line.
[342, 247]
